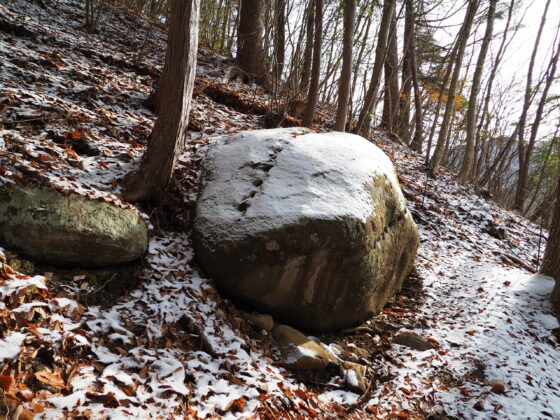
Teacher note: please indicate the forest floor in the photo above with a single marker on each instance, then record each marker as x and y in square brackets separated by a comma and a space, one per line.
[165, 343]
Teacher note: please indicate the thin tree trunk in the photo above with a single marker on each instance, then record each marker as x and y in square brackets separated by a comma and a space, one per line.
[551, 261]
[280, 38]
[528, 94]
[308, 52]
[406, 88]
[466, 166]
[166, 143]
[364, 120]
[523, 178]
[485, 120]
[447, 116]
[346, 73]
[313, 95]
[391, 91]
[418, 138]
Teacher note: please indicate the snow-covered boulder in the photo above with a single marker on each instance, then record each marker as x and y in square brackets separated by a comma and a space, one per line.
[312, 228]
[59, 229]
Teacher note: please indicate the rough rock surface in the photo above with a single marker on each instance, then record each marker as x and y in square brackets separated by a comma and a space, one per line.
[312, 228]
[58, 229]
[299, 351]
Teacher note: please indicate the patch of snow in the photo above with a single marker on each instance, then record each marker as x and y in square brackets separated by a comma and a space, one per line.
[10, 345]
[290, 174]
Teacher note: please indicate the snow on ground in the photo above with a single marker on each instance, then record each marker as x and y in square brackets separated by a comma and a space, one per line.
[173, 346]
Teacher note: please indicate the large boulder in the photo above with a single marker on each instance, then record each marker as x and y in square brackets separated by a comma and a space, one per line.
[312, 228]
[59, 229]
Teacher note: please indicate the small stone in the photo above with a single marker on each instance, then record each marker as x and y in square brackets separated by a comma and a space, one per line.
[261, 321]
[354, 377]
[497, 387]
[361, 352]
[479, 405]
[299, 351]
[413, 341]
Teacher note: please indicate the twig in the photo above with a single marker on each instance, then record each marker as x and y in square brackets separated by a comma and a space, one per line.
[102, 287]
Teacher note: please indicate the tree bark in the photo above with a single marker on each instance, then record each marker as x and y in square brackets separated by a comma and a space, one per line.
[346, 73]
[250, 53]
[308, 52]
[525, 161]
[527, 100]
[391, 89]
[364, 120]
[418, 139]
[313, 95]
[467, 164]
[447, 116]
[166, 142]
[280, 38]
[406, 87]
[551, 261]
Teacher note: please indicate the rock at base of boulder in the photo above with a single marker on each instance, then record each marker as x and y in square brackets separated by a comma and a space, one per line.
[311, 228]
[264, 322]
[69, 230]
[354, 377]
[413, 341]
[299, 351]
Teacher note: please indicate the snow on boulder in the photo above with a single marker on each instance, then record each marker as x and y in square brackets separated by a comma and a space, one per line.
[312, 228]
[59, 229]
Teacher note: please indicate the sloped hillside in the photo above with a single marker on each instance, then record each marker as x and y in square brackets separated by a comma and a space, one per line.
[73, 116]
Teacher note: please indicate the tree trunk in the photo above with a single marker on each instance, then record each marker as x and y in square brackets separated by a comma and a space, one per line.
[525, 162]
[518, 204]
[466, 166]
[280, 38]
[447, 116]
[364, 120]
[418, 139]
[166, 143]
[308, 52]
[404, 98]
[551, 261]
[391, 88]
[313, 95]
[250, 54]
[346, 73]
[485, 120]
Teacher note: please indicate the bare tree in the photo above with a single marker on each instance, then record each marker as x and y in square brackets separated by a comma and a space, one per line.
[391, 88]
[418, 138]
[468, 160]
[364, 120]
[551, 261]
[447, 116]
[280, 38]
[525, 151]
[166, 143]
[346, 73]
[308, 51]
[313, 95]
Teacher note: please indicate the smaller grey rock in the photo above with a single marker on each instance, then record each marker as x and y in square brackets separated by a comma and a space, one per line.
[261, 321]
[413, 341]
[299, 351]
[354, 377]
